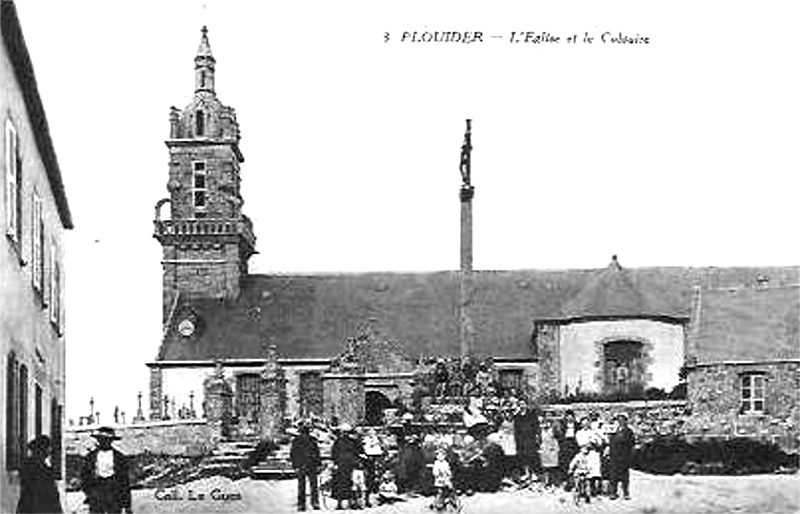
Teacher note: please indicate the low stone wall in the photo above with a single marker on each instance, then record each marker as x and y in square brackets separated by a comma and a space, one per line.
[648, 419]
[180, 437]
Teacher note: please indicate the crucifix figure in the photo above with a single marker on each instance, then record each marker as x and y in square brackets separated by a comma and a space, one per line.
[466, 154]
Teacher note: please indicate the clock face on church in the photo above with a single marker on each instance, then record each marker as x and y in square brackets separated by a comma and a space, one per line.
[186, 327]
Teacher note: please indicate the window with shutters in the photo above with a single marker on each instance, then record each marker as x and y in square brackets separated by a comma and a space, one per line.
[37, 240]
[55, 300]
[56, 412]
[13, 185]
[37, 410]
[11, 437]
[22, 439]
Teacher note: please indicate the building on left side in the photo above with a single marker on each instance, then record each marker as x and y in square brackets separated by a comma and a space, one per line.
[34, 215]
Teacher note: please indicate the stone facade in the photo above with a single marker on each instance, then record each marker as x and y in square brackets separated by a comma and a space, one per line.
[715, 400]
[34, 216]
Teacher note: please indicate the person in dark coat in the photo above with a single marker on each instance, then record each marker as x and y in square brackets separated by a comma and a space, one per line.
[527, 437]
[105, 475]
[410, 465]
[38, 491]
[490, 477]
[346, 454]
[306, 461]
[442, 377]
[620, 456]
[567, 445]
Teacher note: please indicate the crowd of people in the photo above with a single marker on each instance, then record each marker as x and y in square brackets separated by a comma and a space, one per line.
[591, 456]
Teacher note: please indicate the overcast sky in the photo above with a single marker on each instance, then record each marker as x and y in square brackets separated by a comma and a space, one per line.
[679, 152]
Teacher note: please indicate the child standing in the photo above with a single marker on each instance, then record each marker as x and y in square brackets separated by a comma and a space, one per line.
[442, 480]
[548, 455]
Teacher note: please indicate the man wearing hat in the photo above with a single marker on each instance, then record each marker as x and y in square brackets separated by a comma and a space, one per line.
[38, 491]
[621, 446]
[306, 461]
[104, 477]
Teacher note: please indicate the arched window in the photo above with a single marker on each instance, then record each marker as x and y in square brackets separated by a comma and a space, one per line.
[199, 123]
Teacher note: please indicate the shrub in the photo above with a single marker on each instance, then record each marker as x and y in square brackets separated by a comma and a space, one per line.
[739, 456]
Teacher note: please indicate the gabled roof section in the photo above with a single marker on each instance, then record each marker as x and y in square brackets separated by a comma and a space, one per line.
[23, 70]
[613, 293]
[312, 316]
[746, 323]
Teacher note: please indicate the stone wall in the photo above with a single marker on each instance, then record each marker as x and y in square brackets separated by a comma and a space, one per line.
[548, 352]
[343, 397]
[647, 419]
[714, 395]
[189, 438]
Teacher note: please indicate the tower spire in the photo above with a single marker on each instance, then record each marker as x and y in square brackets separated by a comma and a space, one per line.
[204, 65]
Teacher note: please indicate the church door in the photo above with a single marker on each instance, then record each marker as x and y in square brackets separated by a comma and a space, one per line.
[623, 368]
[248, 398]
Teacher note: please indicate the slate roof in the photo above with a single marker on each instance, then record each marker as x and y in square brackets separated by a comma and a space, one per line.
[747, 324]
[310, 316]
[612, 293]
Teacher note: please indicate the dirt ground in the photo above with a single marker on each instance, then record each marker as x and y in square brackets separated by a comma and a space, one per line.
[650, 495]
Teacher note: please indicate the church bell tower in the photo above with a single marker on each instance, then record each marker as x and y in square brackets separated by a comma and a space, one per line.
[206, 241]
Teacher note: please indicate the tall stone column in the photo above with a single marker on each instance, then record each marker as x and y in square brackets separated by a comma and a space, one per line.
[344, 393]
[466, 194]
[156, 393]
[273, 397]
[218, 402]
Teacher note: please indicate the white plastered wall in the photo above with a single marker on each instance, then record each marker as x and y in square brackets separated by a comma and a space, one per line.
[579, 342]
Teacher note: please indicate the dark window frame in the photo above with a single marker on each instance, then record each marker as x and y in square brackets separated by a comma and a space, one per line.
[752, 392]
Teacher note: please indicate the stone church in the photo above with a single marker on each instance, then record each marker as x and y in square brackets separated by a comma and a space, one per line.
[731, 334]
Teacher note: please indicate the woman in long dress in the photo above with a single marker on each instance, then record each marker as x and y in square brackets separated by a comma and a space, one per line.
[345, 453]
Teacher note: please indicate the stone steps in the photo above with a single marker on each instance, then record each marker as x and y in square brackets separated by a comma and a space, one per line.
[276, 466]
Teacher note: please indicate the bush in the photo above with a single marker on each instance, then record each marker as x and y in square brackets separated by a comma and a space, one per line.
[739, 456]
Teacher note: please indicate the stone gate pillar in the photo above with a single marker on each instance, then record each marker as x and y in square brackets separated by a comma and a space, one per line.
[218, 402]
[343, 393]
[156, 393]
[273, 397]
